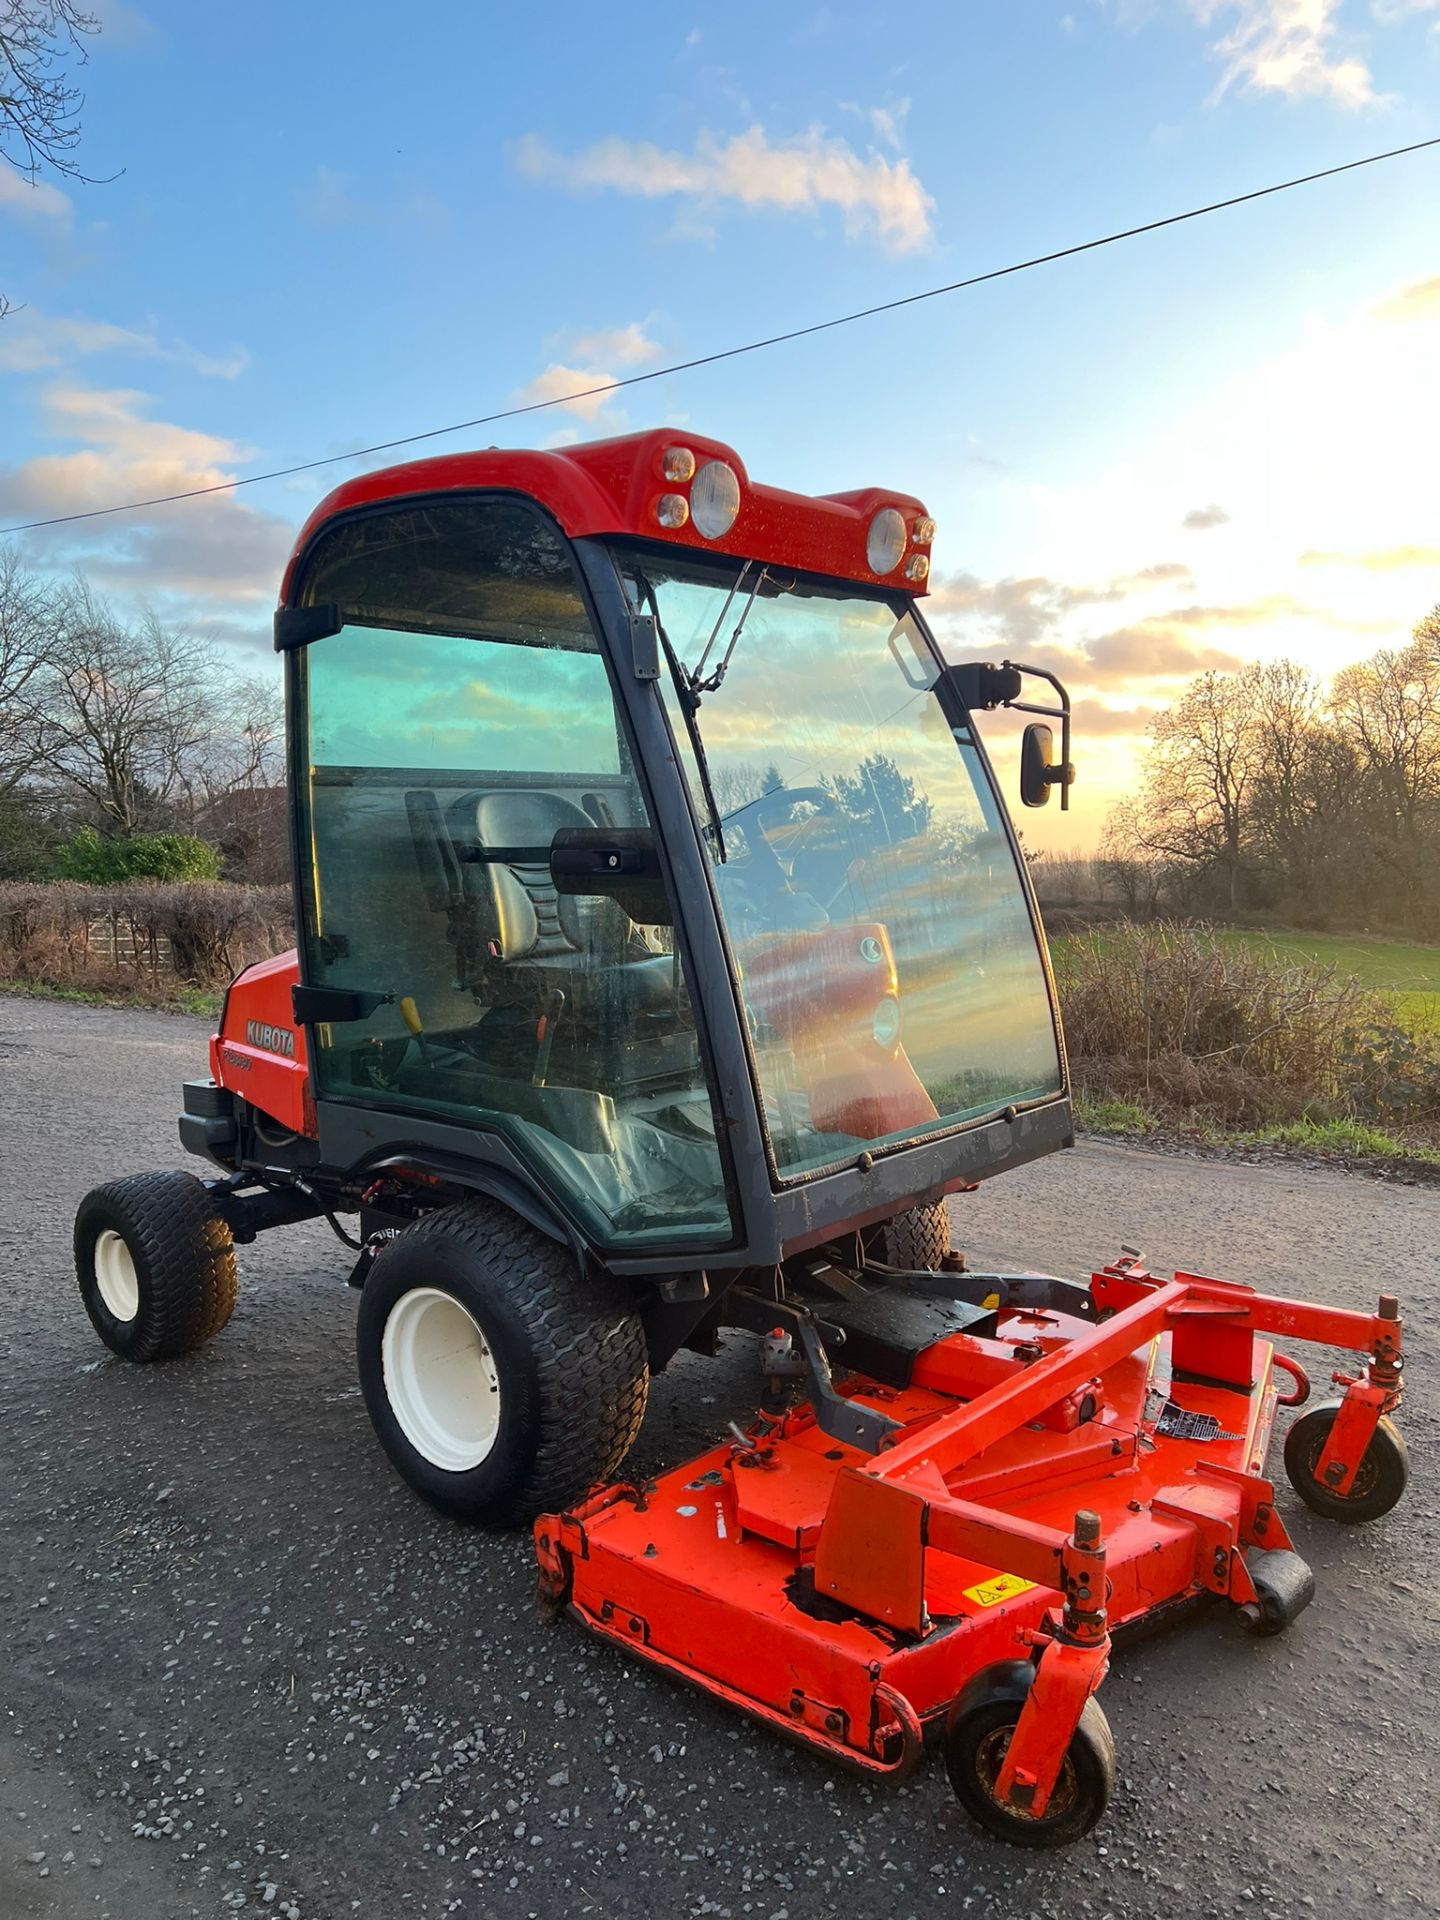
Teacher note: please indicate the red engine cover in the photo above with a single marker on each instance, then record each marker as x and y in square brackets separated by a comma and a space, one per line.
[259, 1052]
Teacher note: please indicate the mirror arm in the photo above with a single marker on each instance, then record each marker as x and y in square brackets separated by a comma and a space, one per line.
[1060, 713]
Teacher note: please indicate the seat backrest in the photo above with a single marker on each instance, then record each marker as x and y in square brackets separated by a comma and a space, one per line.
[525, 919]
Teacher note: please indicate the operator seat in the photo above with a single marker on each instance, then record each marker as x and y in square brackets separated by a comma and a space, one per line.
[529, 943]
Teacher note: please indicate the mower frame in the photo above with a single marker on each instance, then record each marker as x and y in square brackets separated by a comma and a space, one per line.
[864, 1523]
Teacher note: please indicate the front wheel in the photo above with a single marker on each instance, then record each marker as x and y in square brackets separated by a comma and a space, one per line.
[1380, 1479]
[917, 1240]
[156, 1265]
[978, 1739]
[501, 1381]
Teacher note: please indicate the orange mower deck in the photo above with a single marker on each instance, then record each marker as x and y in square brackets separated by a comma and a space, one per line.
[1050, 1477]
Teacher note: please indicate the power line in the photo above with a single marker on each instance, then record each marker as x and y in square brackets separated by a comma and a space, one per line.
[731, 353]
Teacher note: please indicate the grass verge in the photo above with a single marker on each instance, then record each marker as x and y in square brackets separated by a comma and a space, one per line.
[205, 1001]
[1351, 1141]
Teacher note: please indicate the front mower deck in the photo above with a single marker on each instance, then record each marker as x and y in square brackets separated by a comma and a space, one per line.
[1049, 1476]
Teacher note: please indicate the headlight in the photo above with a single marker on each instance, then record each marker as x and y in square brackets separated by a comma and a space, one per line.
[677, 463]
[671, 510]
[917, 567]
[886, 1024]
[885, 541]
[714, 499]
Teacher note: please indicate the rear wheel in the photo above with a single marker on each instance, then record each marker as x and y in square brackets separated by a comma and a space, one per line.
[156, 1265]
[499, 1379]
[918, 1239]
[981, 1728]
[1380, 1479]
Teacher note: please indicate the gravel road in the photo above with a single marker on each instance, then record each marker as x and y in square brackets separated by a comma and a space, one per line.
[246, 1670]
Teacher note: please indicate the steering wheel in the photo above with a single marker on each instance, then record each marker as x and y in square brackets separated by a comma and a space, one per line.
[766, 888]
[816, 865]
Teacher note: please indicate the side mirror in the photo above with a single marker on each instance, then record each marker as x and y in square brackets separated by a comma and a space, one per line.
[618, 863]
[1039, 771]
[978, 686]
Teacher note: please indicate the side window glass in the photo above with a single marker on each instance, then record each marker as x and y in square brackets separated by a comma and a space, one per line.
[466, 761]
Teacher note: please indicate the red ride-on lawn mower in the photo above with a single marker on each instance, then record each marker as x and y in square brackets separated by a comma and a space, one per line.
[665, 958]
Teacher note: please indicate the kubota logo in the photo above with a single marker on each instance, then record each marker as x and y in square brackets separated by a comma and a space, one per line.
[271, 1039]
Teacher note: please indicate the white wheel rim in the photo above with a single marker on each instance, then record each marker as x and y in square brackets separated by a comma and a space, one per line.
[441, 1379]
[115, 1275]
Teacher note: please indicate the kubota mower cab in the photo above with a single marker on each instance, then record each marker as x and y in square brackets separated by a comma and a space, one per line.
[666, 957]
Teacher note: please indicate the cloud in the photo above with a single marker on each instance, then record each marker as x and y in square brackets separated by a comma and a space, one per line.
[628, 346]
[1201, 519]
[1026, 610]
[878, 198]
[1418, 301]
[1167, 573]
[329, 201]
[1150, 650]
[1390, 12]
[1286, 46]
[886, 123]
[592, 360]
[33, 342]
[32, 199]
[571, 388]
[1095, 720]
[218, 548]
[1386, 560]
[1035, 618]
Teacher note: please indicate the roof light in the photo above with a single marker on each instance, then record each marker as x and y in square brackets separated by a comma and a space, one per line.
[677, 463]
[715, 499]
[672, 509]
[885, 541]
[921, 534]
[917, 567]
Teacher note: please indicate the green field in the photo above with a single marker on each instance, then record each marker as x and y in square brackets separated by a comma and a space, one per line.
[1409, 974]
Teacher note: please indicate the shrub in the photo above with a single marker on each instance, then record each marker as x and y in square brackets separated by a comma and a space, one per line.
[139, 938]
[1194, 1028]
[155, 856]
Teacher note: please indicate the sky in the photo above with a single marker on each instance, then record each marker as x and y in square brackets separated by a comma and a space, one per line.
[331, 225]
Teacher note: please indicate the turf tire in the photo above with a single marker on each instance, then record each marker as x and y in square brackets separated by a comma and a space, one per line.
[182, 1264]
[918, 1239]
[568, 1351]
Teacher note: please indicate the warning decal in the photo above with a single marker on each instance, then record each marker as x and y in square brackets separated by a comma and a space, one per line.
[1004, 1586]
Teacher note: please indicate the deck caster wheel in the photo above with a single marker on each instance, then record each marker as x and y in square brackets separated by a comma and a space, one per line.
[1284, 1586]
[1380, 1479]
[983, 1720]
[501, 1381]
[156, 1265]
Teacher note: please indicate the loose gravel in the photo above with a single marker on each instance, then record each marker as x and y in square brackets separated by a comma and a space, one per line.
[247, 1672]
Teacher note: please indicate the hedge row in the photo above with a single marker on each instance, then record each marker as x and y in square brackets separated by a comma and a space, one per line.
[137, 935]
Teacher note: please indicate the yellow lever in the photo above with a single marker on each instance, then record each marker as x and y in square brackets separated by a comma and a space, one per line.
[410, 1014]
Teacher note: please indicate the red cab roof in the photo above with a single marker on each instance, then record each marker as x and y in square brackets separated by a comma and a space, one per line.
[615, 486]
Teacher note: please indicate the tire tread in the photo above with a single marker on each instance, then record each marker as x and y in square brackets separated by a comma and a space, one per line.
[183, 1249]
[589, 1344]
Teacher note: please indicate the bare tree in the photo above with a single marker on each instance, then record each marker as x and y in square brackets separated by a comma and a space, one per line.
[1388, 709]
[128, 717]
[1389, 706]
[1201, 775]
[28, 623]
[1128, 863]
[41, 44]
